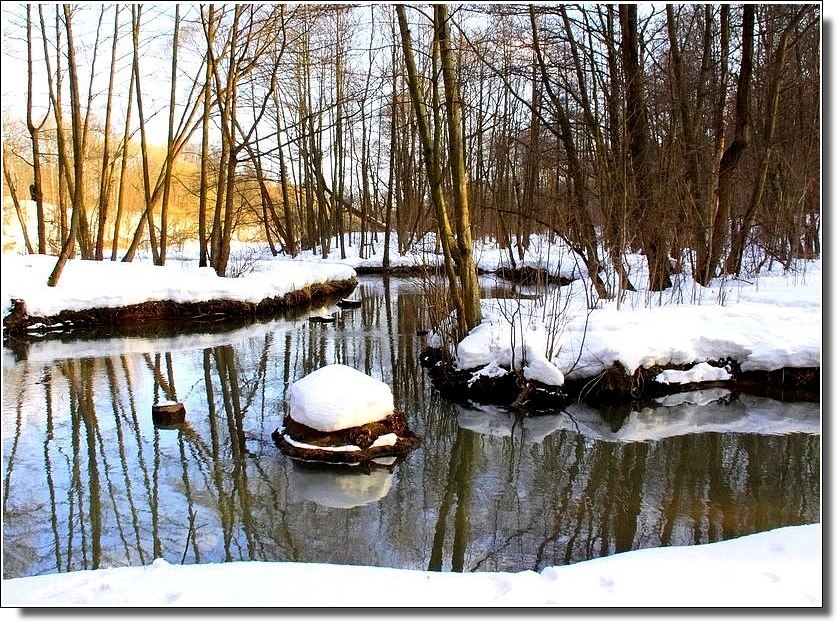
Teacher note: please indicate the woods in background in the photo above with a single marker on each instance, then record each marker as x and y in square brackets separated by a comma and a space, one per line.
[689, 133]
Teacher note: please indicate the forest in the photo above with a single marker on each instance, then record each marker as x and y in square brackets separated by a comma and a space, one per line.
[689, 133]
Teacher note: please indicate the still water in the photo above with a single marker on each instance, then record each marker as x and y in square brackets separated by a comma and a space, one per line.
[89, 481]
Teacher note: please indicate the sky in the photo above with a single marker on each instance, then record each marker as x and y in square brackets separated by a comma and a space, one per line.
[766, 322]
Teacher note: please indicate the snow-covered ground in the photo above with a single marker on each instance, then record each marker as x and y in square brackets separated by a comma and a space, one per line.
[770, 321]
[106, 284]
[779, 568]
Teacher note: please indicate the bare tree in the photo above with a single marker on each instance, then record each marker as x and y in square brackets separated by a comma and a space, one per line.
[78, 153]
[36, 189]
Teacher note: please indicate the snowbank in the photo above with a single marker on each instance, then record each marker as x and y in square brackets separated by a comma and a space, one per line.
[779, 568]
[106, 284]
[771, 323]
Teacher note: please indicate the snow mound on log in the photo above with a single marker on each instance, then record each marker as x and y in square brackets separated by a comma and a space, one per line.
[336, 397]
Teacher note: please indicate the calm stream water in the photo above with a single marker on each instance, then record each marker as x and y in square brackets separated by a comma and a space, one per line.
[90, 482]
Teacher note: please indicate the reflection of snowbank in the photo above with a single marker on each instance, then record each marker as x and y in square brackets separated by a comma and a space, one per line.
[747, 414]
[55, 350]
[496, 421]
[708, 411]
[343, 488]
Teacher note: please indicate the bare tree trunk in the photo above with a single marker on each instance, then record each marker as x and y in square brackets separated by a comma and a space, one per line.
[739, 239]
[65, 184]
[587, 246]
[434, 174]
[148, 213]
[290, 229]
[465, 264]
[650, 222]
[120, 201]
[164, 208]
[78, 153]
[209, 27]
[106, 177]
[732, 154]
[36, 189]
[20, 216]
[87, 240]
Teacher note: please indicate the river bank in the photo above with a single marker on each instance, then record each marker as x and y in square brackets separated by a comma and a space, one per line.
[542, 347]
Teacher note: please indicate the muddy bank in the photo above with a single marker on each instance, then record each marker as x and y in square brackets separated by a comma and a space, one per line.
[18, 323]
[614, 386]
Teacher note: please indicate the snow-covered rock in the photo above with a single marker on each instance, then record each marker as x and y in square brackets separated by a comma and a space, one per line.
[337, 397]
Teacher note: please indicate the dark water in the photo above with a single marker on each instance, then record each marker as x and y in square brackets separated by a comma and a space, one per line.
[89, 482]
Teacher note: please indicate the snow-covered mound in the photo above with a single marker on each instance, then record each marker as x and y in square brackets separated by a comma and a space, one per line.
[336, 397]
[340, 415]
[702, 372]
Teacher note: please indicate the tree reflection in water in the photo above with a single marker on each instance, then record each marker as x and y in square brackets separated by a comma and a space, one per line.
[89, 481]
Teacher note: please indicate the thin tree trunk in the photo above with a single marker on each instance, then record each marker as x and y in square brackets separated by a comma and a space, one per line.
[434, 174]
[78, 153]
[209, 25]
[732, 154]
[123, 182]
[20, 216]
[465, 264]
[106, 177]
[36, 189]
[147, 213]
[739, 240]
[587, 246]
[164, 208]
[650, 221]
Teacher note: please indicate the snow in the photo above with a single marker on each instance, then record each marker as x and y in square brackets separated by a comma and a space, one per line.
[702, 372]
[696, 412]
[771, 323]
[336, 397]
[496, 342]
[778, 568]
[385, 440]
[106, 284]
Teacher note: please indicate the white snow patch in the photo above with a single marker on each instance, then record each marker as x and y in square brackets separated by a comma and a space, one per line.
[107, 284]
[336, 397]
[495, 342]
[492, 370]
[702, 372]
